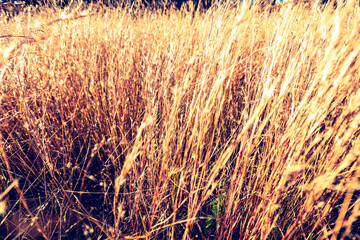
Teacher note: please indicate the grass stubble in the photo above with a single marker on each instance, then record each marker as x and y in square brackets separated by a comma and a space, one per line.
[128, 123]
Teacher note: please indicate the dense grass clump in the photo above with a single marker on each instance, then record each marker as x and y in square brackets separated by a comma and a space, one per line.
[234, 123]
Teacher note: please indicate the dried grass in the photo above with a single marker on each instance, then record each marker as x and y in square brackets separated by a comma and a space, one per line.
[236, 123]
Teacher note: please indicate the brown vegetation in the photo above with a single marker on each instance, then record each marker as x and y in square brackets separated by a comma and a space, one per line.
[235, 123]
[11, 8]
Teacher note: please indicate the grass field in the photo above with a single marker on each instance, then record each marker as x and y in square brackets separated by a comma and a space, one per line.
[231, 123]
